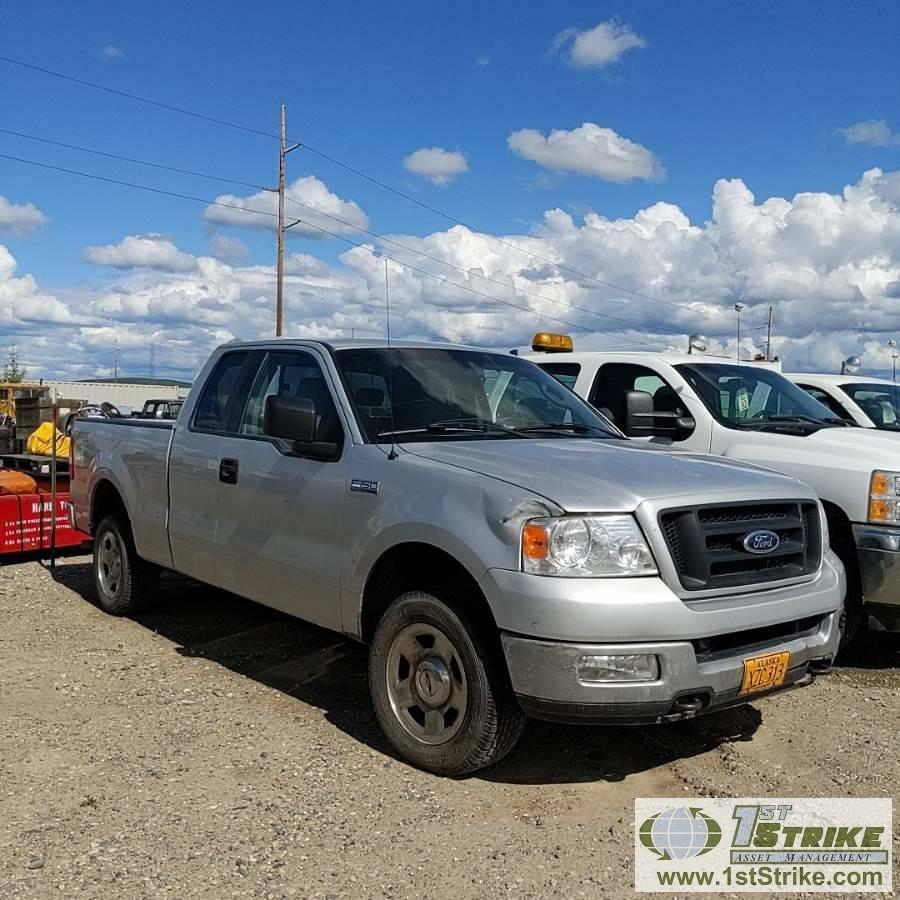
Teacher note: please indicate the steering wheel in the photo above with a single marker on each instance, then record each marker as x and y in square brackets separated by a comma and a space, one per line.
[110, 411]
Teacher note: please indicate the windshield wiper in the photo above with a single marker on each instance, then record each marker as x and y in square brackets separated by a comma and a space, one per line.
[575, 427]
[452, 426]
[799, 419]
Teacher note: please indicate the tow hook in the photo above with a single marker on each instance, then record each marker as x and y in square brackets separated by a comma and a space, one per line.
[687, 706]
[821, 666]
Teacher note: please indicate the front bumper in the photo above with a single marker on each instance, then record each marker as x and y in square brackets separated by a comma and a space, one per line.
[878, 551]
[691, 681]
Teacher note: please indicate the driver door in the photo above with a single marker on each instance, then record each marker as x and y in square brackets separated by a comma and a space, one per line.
[614, 380]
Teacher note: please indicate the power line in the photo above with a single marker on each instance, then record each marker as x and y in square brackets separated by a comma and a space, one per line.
[206, 201]
[358, 172]
[131, 159]
[380, 237]
[128, 96]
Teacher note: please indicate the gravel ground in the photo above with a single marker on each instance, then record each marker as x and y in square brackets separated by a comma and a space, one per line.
[216, 749]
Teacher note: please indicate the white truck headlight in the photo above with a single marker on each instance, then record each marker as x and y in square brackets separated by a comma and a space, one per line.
[586, 547]
[884, 498]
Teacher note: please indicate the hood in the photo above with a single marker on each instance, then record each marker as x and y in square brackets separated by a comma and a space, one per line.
[868, 447]
[584, 475]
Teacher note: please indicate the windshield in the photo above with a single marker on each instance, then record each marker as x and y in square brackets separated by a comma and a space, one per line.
[878, 402]
[426, 394]
[745, 395]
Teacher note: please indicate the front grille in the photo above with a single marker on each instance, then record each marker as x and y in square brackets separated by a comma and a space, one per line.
[707, 543]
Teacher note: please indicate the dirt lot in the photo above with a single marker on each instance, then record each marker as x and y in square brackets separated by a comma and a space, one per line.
[216, 749]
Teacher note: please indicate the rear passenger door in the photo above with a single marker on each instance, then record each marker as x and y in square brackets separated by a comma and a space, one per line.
[194, 486]
[280, 528]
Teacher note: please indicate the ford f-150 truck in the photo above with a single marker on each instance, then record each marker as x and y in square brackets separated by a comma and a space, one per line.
[751, 412]
[501, 548]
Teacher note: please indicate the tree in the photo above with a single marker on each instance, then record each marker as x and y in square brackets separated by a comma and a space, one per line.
[12, 371]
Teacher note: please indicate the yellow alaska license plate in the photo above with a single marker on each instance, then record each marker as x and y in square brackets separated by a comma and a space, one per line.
[764, 672]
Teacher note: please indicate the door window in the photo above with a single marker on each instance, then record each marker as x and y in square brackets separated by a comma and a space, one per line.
[218, 396]
[614, 380]
[827, 400]
[294, 375]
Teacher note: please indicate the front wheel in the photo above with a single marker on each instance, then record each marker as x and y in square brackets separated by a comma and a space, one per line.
[441, 697]
[125, 583]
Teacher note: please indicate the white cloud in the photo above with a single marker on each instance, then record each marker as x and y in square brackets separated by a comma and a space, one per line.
[588, 150]
[20, 218]
[228, 248]
[112, 52]
[21, 301]
[594, 48]
[307, 198]
[482, 61]
[828, 263]
[151, 251]
[438, 165]
[873, 131]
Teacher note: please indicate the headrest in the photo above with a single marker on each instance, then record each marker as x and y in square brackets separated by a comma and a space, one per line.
[370, 396]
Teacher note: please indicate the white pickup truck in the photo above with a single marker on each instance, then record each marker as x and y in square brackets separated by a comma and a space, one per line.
[867, 402]
[751, 412]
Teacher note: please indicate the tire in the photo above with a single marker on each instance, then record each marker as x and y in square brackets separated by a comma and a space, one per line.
[853, 619]
[125, 583]
[450, 708]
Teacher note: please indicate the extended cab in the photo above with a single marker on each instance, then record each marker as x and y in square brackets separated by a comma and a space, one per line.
[502, 549]
[750, 412]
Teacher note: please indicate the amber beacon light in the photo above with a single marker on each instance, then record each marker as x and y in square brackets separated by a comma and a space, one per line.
[548, 342]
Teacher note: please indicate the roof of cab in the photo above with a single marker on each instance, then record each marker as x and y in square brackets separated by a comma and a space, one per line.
[811, 378]
[355, 344]
[671, 357]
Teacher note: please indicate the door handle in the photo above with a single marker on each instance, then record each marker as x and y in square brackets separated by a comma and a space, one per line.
[228, 471]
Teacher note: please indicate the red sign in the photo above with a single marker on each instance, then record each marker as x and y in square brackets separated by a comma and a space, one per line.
[26, 523]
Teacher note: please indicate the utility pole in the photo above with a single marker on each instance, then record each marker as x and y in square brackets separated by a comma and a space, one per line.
[769, 337]
[283, 151]
[739, 308]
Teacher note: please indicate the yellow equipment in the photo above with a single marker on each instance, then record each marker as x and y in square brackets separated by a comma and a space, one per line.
[41, 442]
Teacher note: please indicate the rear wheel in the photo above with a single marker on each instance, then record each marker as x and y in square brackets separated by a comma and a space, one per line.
[125, 583]
[441, 697]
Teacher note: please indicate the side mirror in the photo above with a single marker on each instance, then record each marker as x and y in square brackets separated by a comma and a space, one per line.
[293, 420]
[642, 420]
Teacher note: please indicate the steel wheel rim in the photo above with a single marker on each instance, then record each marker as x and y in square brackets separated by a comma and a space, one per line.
[426, 684]
[109, 564]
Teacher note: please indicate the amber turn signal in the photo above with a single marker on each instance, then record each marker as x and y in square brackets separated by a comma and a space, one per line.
[534, 541]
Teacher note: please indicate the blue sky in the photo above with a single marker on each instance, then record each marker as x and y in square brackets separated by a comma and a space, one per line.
[755, 91]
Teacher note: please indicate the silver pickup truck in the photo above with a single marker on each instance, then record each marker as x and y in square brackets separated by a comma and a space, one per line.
[501, 547]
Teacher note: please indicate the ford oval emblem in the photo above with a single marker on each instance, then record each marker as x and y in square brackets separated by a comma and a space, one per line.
[761, 541]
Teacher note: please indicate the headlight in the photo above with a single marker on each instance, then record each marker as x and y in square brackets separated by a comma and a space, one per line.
[884, 497]
[585, 547]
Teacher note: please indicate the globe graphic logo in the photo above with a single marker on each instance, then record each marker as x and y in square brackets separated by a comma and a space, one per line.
[681, 833]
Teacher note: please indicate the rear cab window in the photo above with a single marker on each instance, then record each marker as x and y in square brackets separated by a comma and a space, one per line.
[215, 408]
[564, 373]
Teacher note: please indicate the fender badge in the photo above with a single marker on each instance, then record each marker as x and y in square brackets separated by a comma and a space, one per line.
[364, 486]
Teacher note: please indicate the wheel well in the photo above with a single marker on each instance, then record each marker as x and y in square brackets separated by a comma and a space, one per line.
[841, 537]
[417, 566]
[106, 500]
